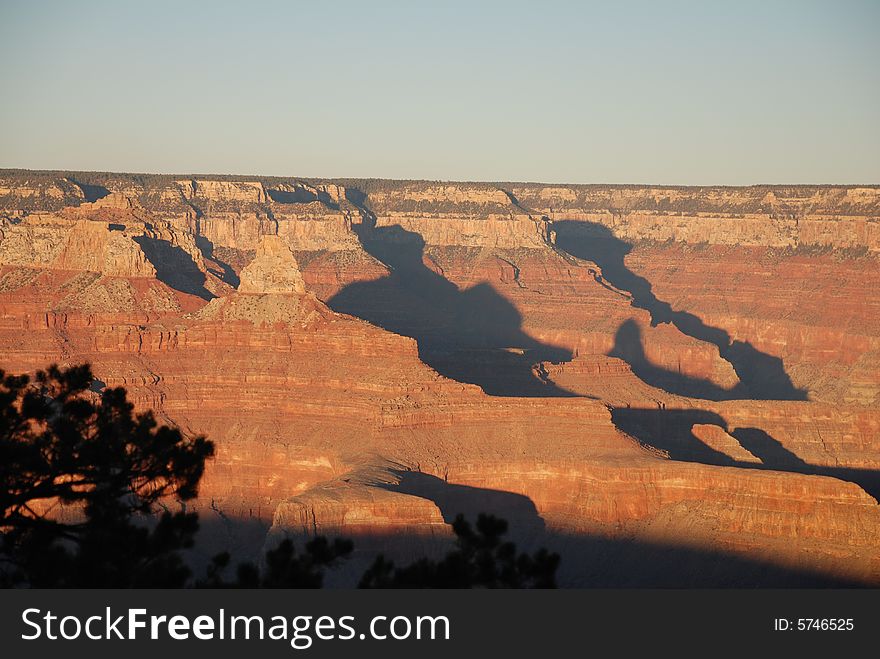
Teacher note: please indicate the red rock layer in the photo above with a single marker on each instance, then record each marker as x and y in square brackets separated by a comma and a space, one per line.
[636, 433]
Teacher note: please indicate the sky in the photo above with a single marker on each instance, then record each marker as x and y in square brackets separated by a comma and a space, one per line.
[690, 93]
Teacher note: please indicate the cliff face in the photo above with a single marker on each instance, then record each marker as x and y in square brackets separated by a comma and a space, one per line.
[764, 216]
[91, 246]
[234, 212]
[669, 386]
[273, 270]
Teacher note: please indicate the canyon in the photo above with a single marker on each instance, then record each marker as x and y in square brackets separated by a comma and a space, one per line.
[669, 386]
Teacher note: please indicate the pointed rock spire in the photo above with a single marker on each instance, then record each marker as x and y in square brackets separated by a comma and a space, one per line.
[273, 270]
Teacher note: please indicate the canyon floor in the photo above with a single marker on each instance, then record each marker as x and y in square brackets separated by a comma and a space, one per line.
[669, 386]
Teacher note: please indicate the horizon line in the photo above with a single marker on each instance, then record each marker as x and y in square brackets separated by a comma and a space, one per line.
[204, 175]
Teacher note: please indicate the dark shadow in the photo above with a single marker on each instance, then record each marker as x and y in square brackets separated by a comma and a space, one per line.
[242, 536]
[513, 199]
[115, 227]
[628, 347]
[761, 376]
[226, 273]
[473, 335]
[91, 192]
[453, 500]
[174, 267]
[358, 198]
[771, 452]
[671, 431]
[775, 456]
[302, 196]
[593, 561]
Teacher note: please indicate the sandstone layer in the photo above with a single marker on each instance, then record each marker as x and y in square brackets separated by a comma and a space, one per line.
[670, 386]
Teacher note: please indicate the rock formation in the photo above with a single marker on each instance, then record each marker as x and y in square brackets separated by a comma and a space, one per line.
[273, 270]
[94, 247]
[670, 386]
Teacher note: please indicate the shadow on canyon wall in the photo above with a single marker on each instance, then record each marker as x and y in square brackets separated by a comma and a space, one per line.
[473, 335]
[629, 347]
[174, 267]
[452, 500]
[761, 376]
[671, 430]
[226, 273]
[302, 196]
[593, 561]
[91, 192]
[242, 536]
[590, 561]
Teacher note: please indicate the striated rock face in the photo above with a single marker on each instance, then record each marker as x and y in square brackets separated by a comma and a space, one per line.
[92, 246]
[779, 216]
[715, 438]
[505, 232]
[36, 241]
[273, 270]
[669, 386]
[247, 192]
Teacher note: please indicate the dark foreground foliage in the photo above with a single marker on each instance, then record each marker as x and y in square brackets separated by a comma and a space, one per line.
[84, 489]
[77, 471]
[284, 567]
[481, 560]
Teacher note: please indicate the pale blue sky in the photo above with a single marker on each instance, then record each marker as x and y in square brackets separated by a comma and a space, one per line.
[626, 92]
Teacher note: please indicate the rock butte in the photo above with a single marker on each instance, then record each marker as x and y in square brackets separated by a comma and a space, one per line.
[667, 385]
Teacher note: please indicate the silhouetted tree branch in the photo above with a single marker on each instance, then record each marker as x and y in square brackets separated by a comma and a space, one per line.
[61, 445]
[284, 568]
